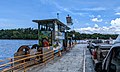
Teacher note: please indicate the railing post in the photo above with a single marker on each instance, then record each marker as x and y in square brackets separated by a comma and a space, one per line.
[53, 55]
[42, 55]
[44, 59]
[11, 64]
[24, 66]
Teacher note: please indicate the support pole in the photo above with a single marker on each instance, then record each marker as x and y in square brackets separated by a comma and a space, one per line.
[39, 33]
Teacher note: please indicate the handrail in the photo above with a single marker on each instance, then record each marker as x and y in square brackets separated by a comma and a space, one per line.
[24, 55]
[32, 60]
[23, 59]
[19, 60]
[17, 57]
[20, 55]
[26, 68]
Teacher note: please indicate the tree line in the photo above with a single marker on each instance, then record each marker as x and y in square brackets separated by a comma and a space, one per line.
[79, 36]
[20, 33]
[30, 33]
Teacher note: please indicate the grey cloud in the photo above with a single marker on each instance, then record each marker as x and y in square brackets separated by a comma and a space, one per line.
[102, 30]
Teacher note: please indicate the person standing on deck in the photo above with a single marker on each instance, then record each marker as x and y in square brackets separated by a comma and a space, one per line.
[69, 43]
[45, 43]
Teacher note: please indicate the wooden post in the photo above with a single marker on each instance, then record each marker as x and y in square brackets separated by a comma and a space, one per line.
[11, 64]
[53, 55]
[24, 66]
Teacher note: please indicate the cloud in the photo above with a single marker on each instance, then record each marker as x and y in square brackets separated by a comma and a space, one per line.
[88, 30]
[96, 26]
[117, 13]
[6, 23]
[87, 24]
[94, 9]
[113, 29]
[116, 22]
[75, 21]
[98, 16]
[68, 10]
[102, 30]
[106, 22]
[93, 16]
[96, 20]
[62, 8]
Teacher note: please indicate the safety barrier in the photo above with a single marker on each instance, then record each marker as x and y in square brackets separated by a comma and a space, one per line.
[24, 62]
[27, 61]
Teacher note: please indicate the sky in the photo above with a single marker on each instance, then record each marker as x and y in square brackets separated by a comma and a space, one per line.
[89, 16]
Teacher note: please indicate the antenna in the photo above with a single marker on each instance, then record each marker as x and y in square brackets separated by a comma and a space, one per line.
[68, 15]
[57, 15]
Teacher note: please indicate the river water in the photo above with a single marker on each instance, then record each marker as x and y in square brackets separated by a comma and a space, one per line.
[9, 47]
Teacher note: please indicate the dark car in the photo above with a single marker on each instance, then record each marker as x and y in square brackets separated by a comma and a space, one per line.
[92, 44]
[111, 63]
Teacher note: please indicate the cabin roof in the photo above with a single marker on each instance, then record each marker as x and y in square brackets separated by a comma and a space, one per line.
[49, 21]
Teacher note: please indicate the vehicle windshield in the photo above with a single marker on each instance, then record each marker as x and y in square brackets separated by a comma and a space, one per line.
[97, 41]
[116, 59]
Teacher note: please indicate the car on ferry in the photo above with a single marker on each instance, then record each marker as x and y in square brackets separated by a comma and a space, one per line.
[92, 44]
[99, 48]
[111, 62]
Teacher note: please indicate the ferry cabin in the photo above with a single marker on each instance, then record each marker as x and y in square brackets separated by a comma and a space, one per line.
[52, 29]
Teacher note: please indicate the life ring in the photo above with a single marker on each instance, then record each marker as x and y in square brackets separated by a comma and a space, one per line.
[25, 49]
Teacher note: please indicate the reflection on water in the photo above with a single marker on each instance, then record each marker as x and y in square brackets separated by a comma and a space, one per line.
[9, 47]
